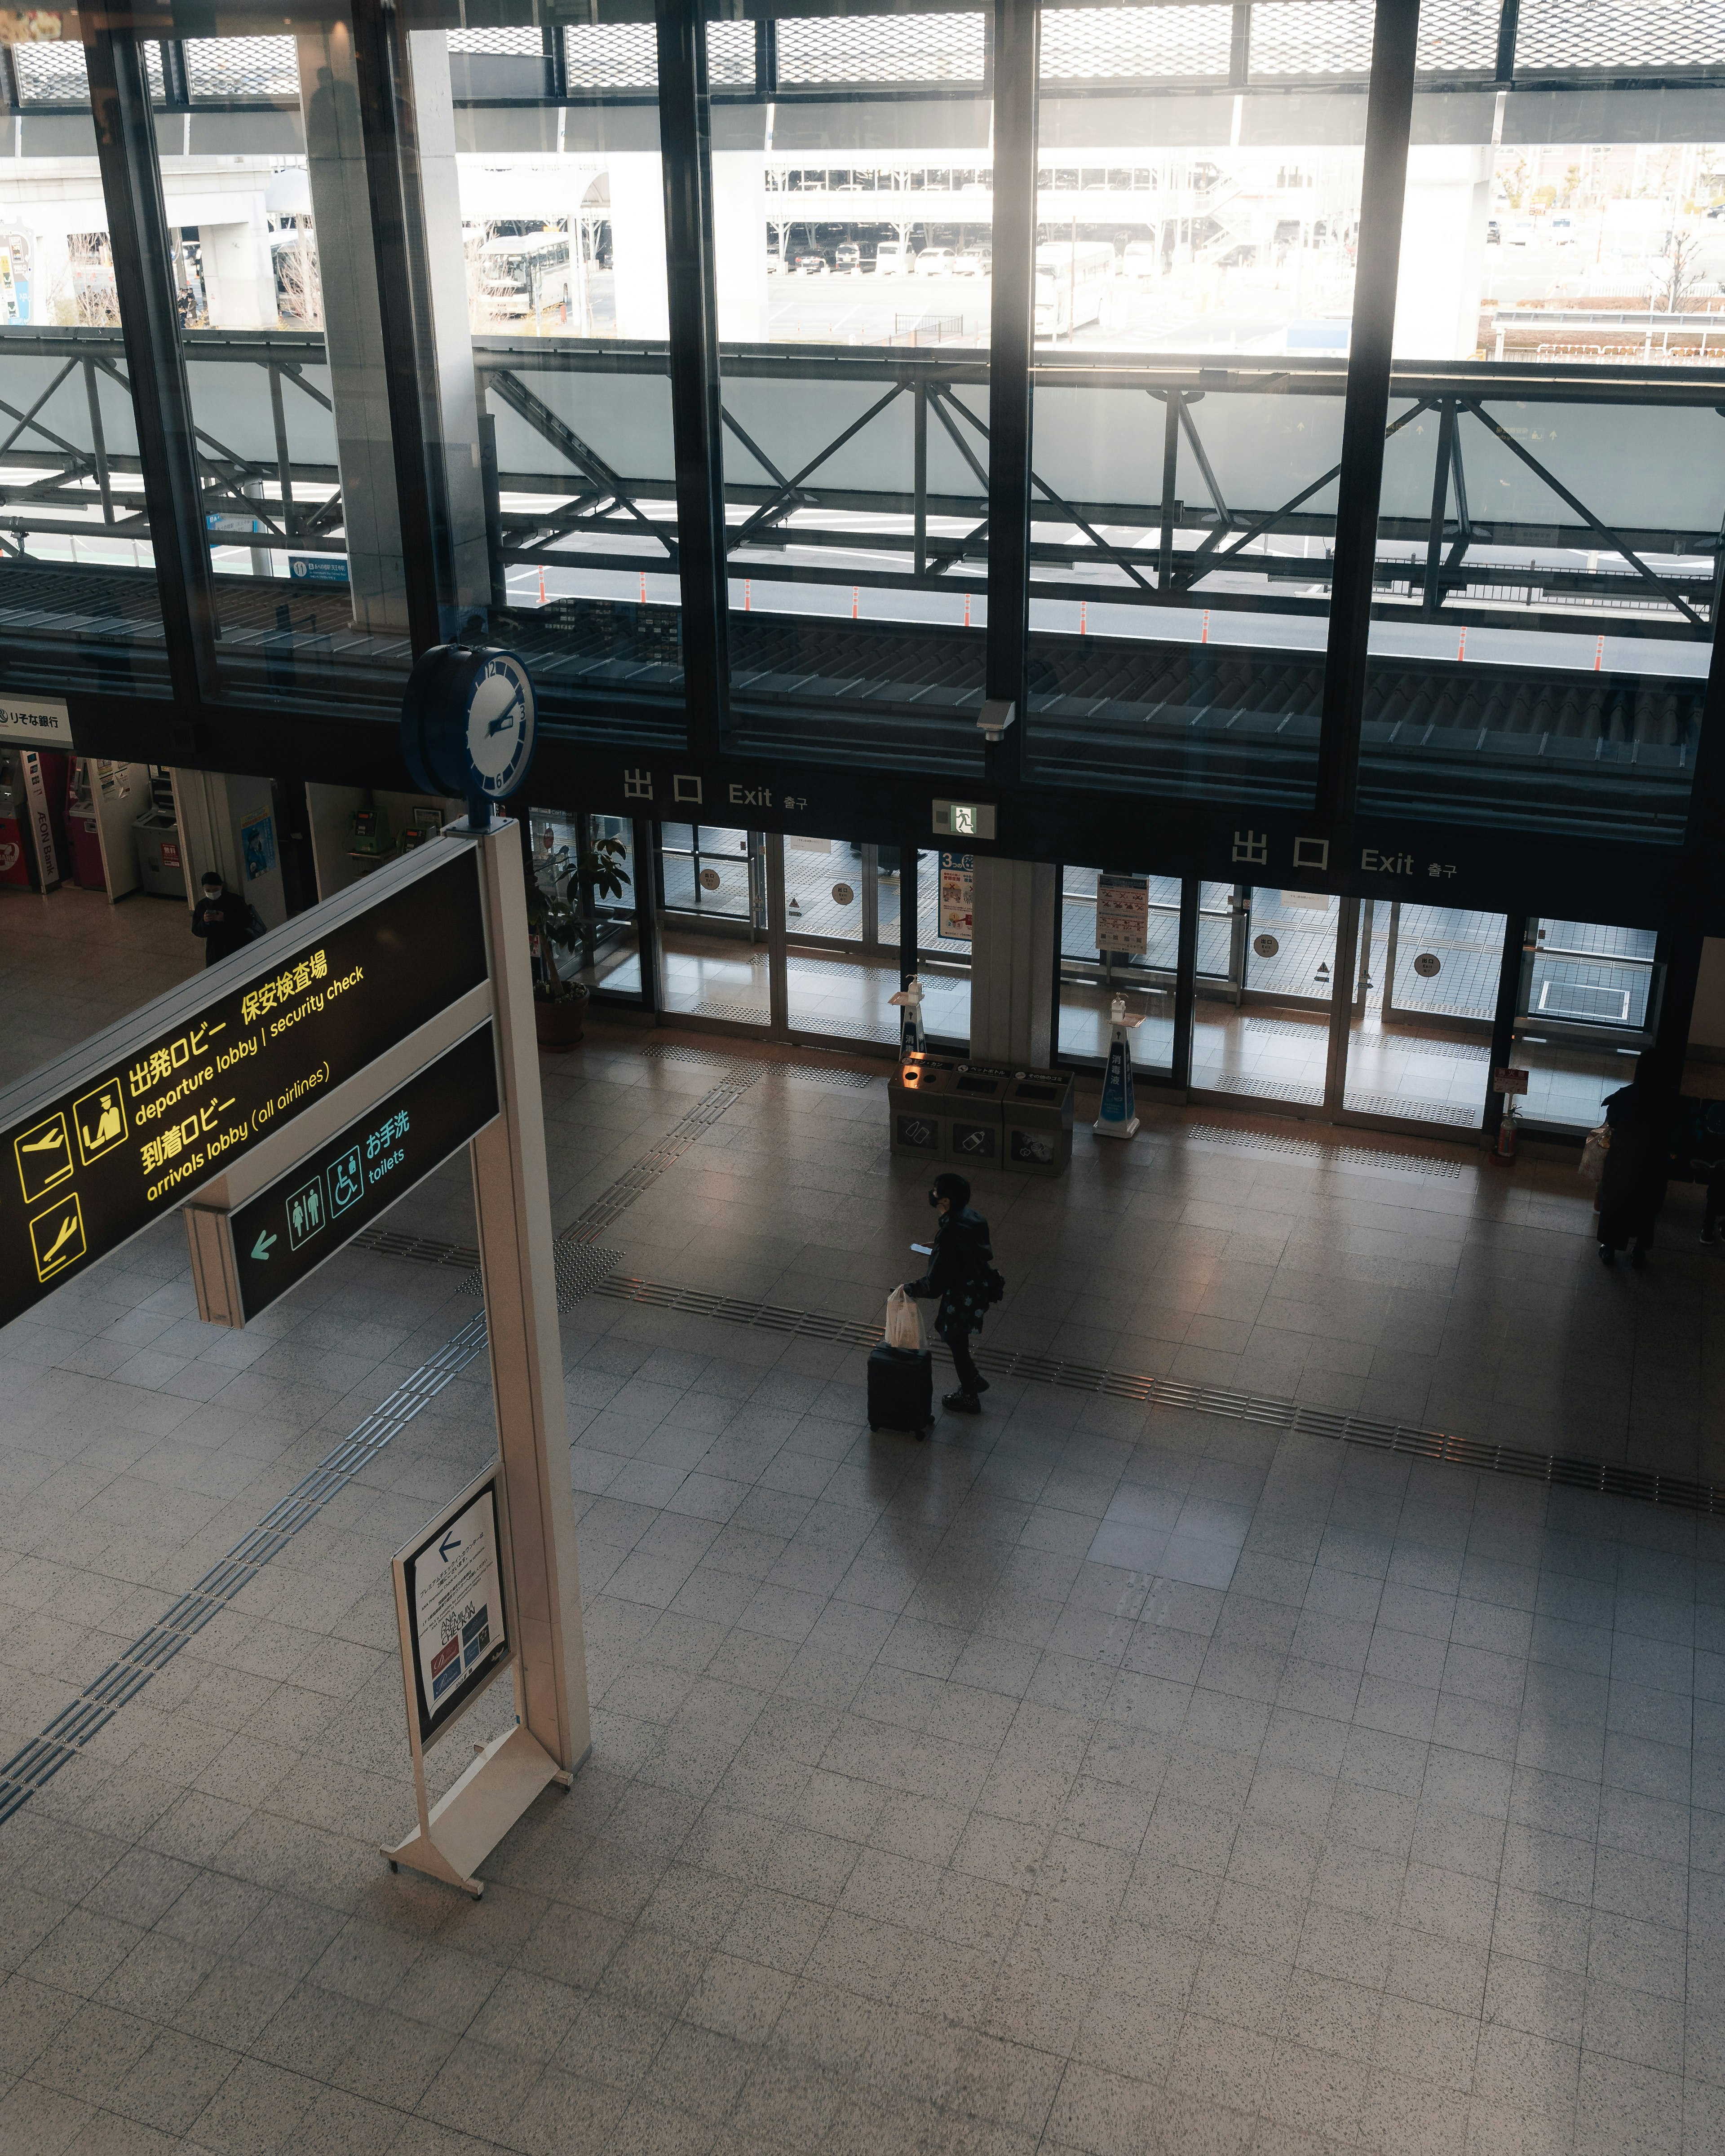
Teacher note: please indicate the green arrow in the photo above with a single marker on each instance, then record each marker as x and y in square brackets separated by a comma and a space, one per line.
[260, 1249]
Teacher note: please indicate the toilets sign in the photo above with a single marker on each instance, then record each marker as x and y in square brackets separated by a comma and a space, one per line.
[107, 1139]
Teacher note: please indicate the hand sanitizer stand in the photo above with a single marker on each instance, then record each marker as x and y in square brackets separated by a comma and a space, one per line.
[1118, 1118]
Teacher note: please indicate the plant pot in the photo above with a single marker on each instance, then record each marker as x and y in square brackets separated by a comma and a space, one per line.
[559, 1025]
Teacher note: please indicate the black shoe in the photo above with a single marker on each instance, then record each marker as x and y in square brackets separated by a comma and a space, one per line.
[962, 1404]
[1638, 1258]
[1710, 1235]
[1607, 1255]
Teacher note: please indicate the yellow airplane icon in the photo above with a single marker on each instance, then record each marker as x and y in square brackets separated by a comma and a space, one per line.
[57, 1237]
[44, 1158]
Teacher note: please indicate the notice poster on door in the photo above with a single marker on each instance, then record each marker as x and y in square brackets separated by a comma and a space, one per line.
[957, 889]
[1123, 913]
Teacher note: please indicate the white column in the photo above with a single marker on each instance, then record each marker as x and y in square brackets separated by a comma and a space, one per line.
[739, 243]
[638, 245]
[1443, 260]
[1016, 908]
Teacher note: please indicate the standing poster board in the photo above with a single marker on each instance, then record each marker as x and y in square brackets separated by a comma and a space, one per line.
[456, 1636]
[957, 897]
[1123, 913]
[455, 1612]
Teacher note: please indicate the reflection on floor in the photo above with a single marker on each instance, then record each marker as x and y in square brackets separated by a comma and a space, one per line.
[71, 963]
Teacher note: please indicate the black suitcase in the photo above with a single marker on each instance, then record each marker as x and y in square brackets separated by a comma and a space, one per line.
[901, 1389]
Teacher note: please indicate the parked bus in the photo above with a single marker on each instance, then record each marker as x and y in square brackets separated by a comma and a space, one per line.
[1073, 281]
[521, 274]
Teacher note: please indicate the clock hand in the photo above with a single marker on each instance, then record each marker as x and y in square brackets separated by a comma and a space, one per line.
[508, 719]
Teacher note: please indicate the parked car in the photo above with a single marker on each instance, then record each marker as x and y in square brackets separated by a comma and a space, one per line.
[807, 265]
[935, 261]
[892, 260]
[847, 255]
[974, 262]
[1522, 232]
[1561, 231]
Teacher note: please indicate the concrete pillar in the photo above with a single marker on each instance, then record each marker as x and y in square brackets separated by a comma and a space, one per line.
[1016, 910]
[238, 272]
[638, 245]
[1443, 260]
[341, 210]
[353, 334]
[451, 329]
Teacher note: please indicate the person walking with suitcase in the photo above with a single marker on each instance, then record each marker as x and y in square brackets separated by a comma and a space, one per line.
[961, 1273]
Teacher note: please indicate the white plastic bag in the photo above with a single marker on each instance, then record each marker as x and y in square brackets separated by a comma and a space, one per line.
[1593, 1153]
[904, 1322]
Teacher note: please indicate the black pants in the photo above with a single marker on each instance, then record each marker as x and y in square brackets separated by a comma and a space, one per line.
[963, 1363]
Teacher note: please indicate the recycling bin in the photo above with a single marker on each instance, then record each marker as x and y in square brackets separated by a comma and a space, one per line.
[945, 1110]
[1036, 1118]
[161, 867]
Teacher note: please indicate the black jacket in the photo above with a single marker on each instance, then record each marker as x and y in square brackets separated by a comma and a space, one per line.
[962, 1255]
[223, 936]
[1632, 1187]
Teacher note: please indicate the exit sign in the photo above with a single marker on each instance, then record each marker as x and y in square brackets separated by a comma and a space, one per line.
[965, 819]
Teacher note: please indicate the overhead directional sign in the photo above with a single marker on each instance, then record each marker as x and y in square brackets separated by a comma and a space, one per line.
[117, 1133]
[309, 1214]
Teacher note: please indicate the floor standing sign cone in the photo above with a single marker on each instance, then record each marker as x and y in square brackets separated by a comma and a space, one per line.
[1118, 1118]
[912, 1039]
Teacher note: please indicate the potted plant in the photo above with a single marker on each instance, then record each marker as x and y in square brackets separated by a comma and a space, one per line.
[555, 924]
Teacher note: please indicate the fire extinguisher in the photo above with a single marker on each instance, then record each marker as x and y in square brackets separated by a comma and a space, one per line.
[1504, 1152]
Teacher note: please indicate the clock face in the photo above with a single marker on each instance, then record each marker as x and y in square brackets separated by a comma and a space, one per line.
[500, 725]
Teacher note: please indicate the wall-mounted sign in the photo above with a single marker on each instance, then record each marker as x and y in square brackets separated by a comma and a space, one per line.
[710, 879]
[37, 722]
[1427, 964]
[965, 819]
[1265, 946]
[318, 568]
[843, 894]
[958, 892]
[1123, 913]
[176, 1095]
[1509, 1080]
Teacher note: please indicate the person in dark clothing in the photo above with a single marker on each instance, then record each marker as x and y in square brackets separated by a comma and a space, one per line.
[1632, 1187]
[222, 918]
[957, 1270]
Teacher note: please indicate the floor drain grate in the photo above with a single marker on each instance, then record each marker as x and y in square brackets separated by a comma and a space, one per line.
[1348, 1156]
[1558, 1469]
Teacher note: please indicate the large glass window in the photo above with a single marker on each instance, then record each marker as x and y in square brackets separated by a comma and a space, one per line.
[1095, 972]
[1554, 484]
[78, 592]
[854, 222]
[1194, 294]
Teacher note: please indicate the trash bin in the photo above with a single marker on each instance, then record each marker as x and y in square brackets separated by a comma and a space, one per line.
[1037, 1122]
[946, 1111]
[160, 869]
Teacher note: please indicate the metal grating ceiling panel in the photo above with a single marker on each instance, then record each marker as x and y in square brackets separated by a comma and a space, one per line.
[880, 48]
[1310, 38]
[512, 41]
[611, 56]
[52, 73]
[1100, 44]
[1458, 36]
[242, 68]
[1627, 34]
[731, 55]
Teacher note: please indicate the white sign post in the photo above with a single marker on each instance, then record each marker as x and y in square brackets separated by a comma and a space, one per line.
[535, 1499]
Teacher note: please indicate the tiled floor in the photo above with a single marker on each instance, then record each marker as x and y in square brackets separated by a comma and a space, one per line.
[70, 964]
[1091, 1779]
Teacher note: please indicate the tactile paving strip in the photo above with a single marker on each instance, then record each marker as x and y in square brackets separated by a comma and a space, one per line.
[1349, 1155]
[1559, 1469]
